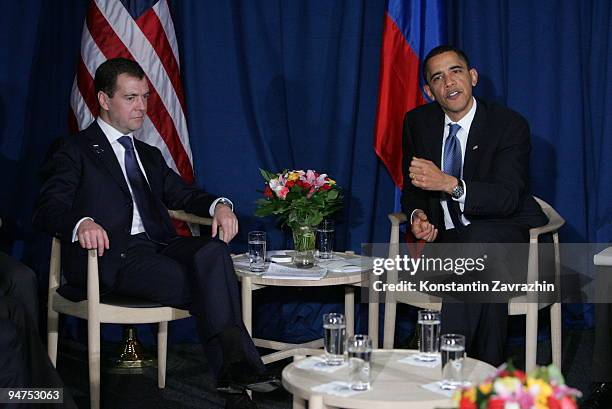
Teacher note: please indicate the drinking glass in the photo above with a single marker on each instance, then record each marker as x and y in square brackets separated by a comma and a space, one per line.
[429, 335]
[257, 251]
[359, 353]
[452, 349]
[334, 328]
[325, 239]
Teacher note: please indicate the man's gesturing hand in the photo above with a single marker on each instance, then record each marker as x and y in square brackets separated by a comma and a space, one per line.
[421, 228]
[426, 175]
[226, 219]
[92, 236]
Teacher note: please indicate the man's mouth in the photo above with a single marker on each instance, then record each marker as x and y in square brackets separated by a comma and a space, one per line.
[453, 94]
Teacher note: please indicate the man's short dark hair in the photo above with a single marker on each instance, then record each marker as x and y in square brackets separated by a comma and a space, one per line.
[106, 75]
[441, 49]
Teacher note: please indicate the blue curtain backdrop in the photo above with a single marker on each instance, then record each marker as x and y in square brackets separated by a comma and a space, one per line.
[284, 84]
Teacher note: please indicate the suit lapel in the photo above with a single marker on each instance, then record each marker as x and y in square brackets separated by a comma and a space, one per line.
[103, 153]
[433, 144]
[475, 141]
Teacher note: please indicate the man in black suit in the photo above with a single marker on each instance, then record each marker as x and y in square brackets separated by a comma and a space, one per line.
[466, 164]
[105, 190]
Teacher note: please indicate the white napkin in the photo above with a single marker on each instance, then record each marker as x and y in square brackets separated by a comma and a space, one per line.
[413, 360]
[339, 266]
[435, 387]
[315, 363]
[337, 388]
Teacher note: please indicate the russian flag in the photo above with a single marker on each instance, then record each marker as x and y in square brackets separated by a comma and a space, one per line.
[411, 29]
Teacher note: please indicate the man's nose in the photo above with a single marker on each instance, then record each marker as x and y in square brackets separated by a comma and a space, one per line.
[448, 81]
[142, 103]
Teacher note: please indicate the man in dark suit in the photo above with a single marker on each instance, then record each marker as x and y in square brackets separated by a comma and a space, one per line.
[466, 164]
[105, 190]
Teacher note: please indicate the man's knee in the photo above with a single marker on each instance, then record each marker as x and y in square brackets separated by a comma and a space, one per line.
[16, 277]
[12, 355]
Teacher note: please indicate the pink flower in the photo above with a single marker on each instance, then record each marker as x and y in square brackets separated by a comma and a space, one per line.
[282, 192]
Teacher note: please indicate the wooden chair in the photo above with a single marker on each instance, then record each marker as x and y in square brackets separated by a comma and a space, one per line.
[121, 310]
[516, 306]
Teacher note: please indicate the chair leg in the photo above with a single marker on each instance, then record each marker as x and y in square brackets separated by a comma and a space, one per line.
[531, 336]
[93, 351]
[52, 328]
[555, 334]
[162, 351]
[389, 326]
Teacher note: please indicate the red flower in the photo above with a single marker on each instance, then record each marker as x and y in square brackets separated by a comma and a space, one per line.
[325, 187]
[304, 185]
[465, 403]
[496, 403]
[290, 184]
[520, 375]
[268, 192]
[553, 403]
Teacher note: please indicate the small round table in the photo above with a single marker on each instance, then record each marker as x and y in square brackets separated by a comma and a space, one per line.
[250, 282]
[395, 385]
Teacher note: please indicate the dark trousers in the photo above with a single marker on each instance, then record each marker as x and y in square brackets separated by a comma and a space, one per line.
[19, 282]
[23, 359]
[195, 273]
[483, 324]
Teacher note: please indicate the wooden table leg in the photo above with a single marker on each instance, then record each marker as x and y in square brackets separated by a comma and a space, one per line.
[247, 303]
[316, 402]
[349, 309]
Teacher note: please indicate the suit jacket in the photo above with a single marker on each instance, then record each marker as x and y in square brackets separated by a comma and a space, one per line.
[83, 178]
[495, 168]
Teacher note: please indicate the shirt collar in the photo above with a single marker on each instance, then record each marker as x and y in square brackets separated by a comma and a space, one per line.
[110, 132]
[464, 122]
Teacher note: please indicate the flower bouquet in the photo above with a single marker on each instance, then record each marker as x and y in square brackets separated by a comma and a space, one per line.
[301, 200]
[509, 388]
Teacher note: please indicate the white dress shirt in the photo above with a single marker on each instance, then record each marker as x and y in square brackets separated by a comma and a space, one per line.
[113, 136]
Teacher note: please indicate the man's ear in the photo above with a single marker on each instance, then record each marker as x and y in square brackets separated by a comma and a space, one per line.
[474, 76]
[428, 92]
[103, 100]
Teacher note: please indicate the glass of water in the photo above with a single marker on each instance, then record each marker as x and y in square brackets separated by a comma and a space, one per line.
[429, 335]
[334, 328]
[257, 251]
[359, 353]
[452, 349]
[325, 239]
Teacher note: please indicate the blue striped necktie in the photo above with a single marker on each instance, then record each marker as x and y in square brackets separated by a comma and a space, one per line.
[452, 166]
[147, 205]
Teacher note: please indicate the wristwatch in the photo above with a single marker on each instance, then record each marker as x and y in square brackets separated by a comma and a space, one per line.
[457, 191]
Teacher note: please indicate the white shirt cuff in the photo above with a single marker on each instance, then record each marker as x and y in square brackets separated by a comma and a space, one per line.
[211, 210]
[76, 228]
[413, 213]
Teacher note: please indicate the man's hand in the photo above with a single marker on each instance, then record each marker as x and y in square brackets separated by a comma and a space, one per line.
[226, 219]
[421, 228]
[92, 236]
[427, 176]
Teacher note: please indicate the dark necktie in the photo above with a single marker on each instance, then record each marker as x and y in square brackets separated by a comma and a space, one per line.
[147, 207]
[452, 166]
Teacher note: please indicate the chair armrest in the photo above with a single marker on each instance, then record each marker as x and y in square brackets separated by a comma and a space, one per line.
[551, 226]
[397, 218]
[93, 280]
[190, 218]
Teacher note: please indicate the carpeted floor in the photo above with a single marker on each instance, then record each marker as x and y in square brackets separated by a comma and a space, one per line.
[188, 384]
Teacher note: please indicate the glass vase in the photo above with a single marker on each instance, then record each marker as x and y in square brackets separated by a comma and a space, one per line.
[304, 246]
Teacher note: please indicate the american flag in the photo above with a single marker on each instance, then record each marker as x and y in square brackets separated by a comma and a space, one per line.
[143, 31]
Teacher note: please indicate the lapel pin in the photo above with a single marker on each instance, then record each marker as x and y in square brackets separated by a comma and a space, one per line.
[475, 147]
[97, 149]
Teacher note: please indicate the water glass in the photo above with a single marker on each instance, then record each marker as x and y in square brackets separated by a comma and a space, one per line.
[359, 353]
[334, 328]
[325, 239]
[452, 349]
[257, 251]
[429, 335]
